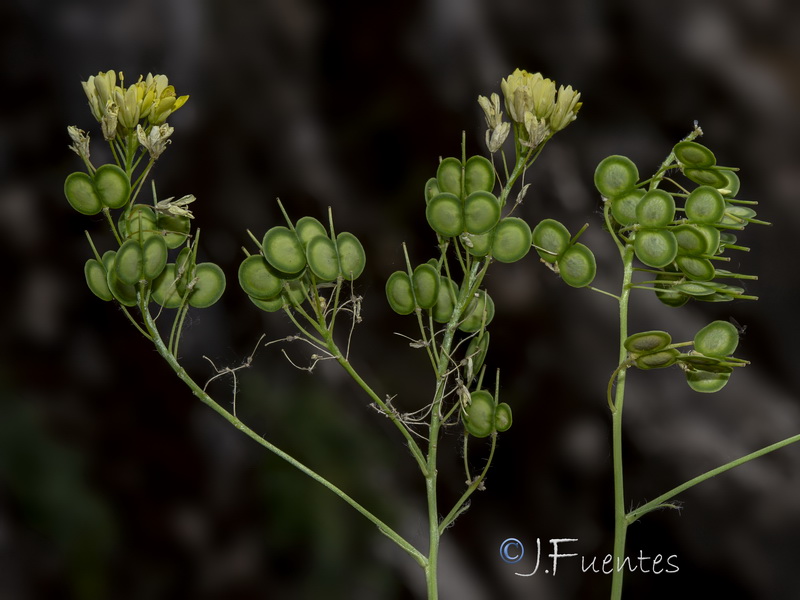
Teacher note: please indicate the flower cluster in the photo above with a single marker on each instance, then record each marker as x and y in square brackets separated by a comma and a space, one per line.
[537, 110]
[119, 110]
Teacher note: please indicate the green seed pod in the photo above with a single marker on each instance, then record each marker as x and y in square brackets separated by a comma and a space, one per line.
[258, 279]
[431, 189]
[705, 205]
[81, 195]
[479, 416]
[692, 154]
[706, 382]
[615, 175]
[398, 293]
[691, 240]
[696, 269]
[271, 305]
[551, 239]
[739, 213]
[623, 207]
[732, 187]
[165, 288]
[175, 229]
[448, 176]
[129, 263]
[446, 302]
[479, 313]
[577, 266]
[719, 338]
[97, 279]
[124, 294]
[502, 417]
[445, 215]
[655, 209]
[478, 175]
[657, 360]
[141, 223]
[512, 240]
[112, 185]
[352, 258]
[478, 245]
[323, 258]
[481, 212]
[209, 286]
[426, 281]
[694, 289]
[307, 228]
[647, 341]
[295, 291]
[283, 250]
[655, 247]
[667, 293]
[712, 177]
[710, 364]
[476, 351]
[154, 257]
[712, 235]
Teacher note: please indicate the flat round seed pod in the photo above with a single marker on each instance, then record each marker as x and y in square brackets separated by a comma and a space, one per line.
[732, 187]
[446, 302]
[739, 212]
[479, 312]
[165, 288]
[577, 266]
[478, 175]
[693, 288]
[124, 294]
[271, 305]
[692, 154]
[295, 291]
[696, 269]
[209, 286]
[502, 417]
[512, 240]
[706, 382]
[691, 241]
[712, 235]
[352, 258]
[712, 177]
[657, 360]
[448, 176]
[431, 189]
[667, 293]
[479, 417]
[719, 338]
[550, 238]
[258, 279]
[154, 257]
[623, 207]
[112, 185]
[615, 175]
[476, 351]
[398, 293]
[647, 341]
[129, 263]
[478, 245]
[655, 209]
[655, 247]
[283, 250]
[481, 212]
[705, 363]
[175, 229]
[81, 195]
[141, 223]
[307, 228]
[705, 205]
[426, 281]
[97, 279]
[445, 215]
[323, 258]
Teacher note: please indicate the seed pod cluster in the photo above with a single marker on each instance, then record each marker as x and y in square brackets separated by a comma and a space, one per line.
[483, 416]
[572, 260]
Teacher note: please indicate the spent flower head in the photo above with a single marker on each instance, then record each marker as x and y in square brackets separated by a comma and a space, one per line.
[497, 131]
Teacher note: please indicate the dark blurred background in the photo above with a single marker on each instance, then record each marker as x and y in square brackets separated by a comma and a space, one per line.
[115, 482]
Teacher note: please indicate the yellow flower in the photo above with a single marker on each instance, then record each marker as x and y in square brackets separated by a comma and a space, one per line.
[532, 101]
[566, 108]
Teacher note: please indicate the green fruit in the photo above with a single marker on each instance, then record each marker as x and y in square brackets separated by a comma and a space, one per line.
[399, 294]
[478, 245]
[655, 247]
[97, 279]
[271, 305]
[283, 250]
[481, 212]
[308, 228]
[154, 256]
[258, 279]
[175, 229]
[657, 360]
[478, 314]
[705, 205]
[577, 266]
[479, 416]
[81, 195]
[712, 177]
[692, 154]
[141, 223]
[655, 209]
[112, 185]
[512, 240]
[502, 417]
[719, 338]
[732, 187]
[623, 207]
[706, 382]
[352, 258]
[128, 263]
[445, 215]
[478, 175]
[667, 293]
[696, 269]
[431, 189]
[426, 282]
[295, 292]
[476, 351]
[124, 294]
[551, 239]
[322, 258]
[165, 288]
[692, 241]
[448, 176]
[446, 302]
[615, 175]
[209, 285]
[647, 341]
